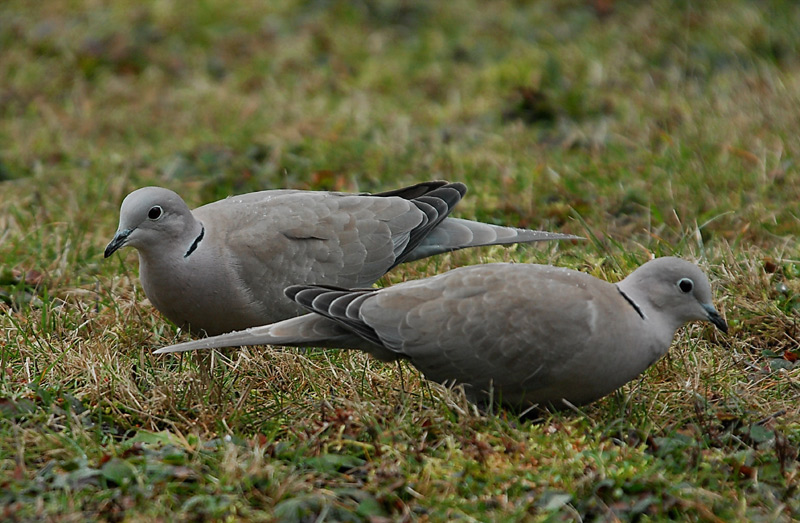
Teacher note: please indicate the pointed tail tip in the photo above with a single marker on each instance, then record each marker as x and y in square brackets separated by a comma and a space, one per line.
[572, 237]
[546, 235]
[183, 347]
[165, 350]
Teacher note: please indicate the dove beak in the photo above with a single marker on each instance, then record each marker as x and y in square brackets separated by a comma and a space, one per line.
[715, 318]
[117, 242]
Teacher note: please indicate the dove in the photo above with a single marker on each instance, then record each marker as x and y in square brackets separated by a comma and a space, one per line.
[516, 334]
[224, 266]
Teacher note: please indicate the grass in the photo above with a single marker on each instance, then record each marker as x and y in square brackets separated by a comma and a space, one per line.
[665, 128]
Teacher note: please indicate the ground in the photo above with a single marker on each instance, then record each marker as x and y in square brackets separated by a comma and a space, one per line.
[657, 128]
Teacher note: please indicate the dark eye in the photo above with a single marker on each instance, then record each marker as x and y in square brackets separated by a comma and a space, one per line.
[685, 285]
[155, 212]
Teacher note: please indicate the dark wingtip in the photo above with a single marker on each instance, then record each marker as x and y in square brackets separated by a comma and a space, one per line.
[293, 290]
[458, 186]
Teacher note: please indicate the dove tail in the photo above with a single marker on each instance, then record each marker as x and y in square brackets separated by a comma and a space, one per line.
[455, 233]
[306, 331]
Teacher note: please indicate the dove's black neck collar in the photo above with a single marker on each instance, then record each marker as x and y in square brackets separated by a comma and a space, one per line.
[196, 241]
[632, 303]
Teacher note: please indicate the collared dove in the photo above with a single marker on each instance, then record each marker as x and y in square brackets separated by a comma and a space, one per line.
[532, 334]
[224, 266]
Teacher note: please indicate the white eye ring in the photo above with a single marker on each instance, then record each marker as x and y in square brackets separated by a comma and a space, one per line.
[685, 285]
[155, 212]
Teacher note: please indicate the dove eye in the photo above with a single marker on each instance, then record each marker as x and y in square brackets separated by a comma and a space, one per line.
[685, 285]
[155, 212]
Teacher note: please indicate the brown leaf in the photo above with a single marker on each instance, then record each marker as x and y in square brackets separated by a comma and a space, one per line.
[603, 8]
[136, 449]
[34, 278]
[19, 472]
[743, 154]
[746, 471]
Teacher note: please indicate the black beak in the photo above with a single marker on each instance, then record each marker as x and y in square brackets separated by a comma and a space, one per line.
[715, 318]
[119, 241]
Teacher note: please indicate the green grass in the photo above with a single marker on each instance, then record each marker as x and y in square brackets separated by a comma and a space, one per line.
[657, 128]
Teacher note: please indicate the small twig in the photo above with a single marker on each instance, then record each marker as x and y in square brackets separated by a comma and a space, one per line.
[771, 417]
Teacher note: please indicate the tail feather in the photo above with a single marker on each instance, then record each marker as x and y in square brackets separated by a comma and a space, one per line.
[455, 233]
[310, 330]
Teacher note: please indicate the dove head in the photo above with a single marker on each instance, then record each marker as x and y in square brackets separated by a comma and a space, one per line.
[675, 289]
[152, 217]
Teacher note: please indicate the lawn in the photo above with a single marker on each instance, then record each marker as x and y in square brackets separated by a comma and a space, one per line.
[651, 128]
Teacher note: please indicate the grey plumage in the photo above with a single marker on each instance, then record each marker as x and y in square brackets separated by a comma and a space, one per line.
[224, 266]
[533, 334]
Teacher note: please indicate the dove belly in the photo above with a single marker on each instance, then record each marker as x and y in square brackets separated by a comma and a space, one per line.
[211, 301]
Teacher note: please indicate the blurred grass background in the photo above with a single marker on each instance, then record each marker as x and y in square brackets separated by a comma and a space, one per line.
[666, 127]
